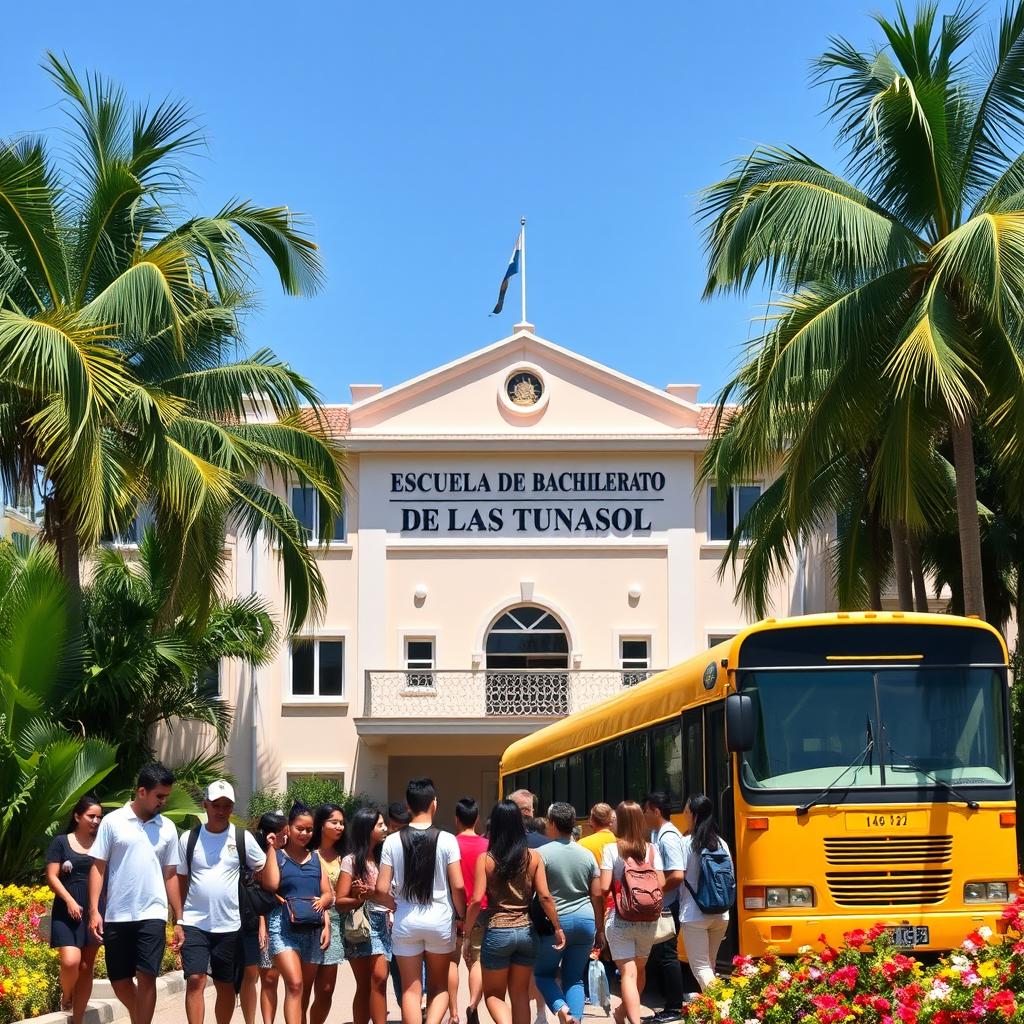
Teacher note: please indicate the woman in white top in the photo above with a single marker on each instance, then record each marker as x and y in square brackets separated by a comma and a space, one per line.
[702, 933]
[630, 942]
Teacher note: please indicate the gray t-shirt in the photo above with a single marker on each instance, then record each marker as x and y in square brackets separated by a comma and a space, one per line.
[569, 870]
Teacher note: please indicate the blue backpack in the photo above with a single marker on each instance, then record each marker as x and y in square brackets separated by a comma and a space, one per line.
[716, 890]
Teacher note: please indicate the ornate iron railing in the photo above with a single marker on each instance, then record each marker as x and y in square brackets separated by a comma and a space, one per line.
[489, 693]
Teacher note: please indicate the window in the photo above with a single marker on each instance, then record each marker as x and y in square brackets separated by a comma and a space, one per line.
[545, 792]
[614, 772]
[318, 668]
[723, 518]
[667, 761]
[638, 767]
[208, 683]
[561, 786]
[634, 659]
[133, 531]
[306, 507]
[578, 784]
[594, 762]
[419, 663]
[714, 639]
[693, 753]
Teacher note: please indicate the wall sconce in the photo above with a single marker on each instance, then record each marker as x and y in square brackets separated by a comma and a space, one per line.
[420, 594]
[577, 659]
[477, 658]
[634, 593]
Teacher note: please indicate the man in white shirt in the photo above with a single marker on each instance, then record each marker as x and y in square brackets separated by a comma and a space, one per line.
[657, 812]
[209, 932]
[136, 851]
[423, 901]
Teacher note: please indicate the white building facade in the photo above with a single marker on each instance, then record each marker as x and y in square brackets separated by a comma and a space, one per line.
[522, 538]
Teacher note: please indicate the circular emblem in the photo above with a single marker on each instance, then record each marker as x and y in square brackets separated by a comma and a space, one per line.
[524, 388]
[711, 675]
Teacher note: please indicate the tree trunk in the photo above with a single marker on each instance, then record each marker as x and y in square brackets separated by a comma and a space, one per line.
[874, 567]
[901, 563]
[65, 539]
[962, 435]
[917, 573]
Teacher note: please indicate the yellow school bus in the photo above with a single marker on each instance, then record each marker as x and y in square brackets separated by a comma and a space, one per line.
[860, 764]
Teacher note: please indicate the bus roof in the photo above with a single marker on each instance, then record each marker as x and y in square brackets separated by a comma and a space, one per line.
[698, 680]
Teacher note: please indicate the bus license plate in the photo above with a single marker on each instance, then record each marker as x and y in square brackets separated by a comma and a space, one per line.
[909, 936]
[885, 821]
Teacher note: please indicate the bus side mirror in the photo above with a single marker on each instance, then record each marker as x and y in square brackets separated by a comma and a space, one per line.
[739, 722]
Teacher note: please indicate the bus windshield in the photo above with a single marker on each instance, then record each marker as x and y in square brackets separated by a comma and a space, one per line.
[888, 728]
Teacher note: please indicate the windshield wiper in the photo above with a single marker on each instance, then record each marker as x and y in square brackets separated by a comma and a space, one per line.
[972, 805]
[802, 809]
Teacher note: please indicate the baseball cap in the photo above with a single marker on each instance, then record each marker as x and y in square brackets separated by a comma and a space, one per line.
[218, 789]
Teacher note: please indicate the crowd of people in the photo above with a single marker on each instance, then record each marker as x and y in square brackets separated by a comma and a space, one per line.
[528, 906]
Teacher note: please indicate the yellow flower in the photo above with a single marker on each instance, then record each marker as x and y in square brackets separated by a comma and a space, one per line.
[741, 982]
[988, 969]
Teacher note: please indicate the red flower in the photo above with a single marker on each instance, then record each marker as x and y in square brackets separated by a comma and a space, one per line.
[845, 977]
[857, 938]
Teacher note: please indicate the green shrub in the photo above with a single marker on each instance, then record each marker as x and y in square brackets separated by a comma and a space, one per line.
[308, 790]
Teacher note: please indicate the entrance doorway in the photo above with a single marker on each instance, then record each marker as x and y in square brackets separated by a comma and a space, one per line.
[527, 661]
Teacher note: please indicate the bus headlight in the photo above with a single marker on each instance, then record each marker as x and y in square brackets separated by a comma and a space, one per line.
[986, 892]
[789, 896]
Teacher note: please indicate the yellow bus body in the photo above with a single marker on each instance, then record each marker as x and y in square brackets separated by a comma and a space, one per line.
[864, 847]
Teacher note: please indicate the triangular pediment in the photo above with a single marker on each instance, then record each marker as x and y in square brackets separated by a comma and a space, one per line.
[488, 392]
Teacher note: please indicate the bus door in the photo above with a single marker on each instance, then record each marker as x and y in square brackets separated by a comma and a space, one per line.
[718, 773]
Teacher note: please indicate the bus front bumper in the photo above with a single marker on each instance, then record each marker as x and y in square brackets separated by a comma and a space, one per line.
[786, 933]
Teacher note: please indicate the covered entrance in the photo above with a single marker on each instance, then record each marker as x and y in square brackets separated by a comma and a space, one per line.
[527, 663]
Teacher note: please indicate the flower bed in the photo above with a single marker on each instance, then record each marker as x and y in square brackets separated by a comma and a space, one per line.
[867, 981]
[29, 983]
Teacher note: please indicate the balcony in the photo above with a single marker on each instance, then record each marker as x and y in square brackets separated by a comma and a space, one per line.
[501, 702]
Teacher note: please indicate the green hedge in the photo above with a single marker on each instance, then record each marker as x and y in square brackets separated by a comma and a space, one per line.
[310, 791]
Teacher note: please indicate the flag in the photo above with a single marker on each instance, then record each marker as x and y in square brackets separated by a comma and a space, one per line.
[513, 268]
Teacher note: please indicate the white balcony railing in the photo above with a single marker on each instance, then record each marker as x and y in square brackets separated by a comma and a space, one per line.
[489, 693]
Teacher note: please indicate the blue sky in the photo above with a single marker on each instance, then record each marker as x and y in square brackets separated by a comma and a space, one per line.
[414, 137]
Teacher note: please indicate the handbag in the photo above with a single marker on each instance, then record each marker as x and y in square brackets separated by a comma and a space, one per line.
[665, 930]
[357, 926]
[539, 919]
[301, 914]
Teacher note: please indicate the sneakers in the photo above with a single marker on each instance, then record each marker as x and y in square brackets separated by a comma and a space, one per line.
[665, 1016]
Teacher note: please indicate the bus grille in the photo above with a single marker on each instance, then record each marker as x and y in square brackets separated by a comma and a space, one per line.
[889, 849]
[888, 888]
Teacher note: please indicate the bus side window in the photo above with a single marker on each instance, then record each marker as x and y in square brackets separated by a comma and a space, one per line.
[693, 753]
[533, 782]
[594, 759]
[546, 790]
[638, 767]
[667, 761]
[578, 785]
[614, 773]
[560, 790]
[718, 779]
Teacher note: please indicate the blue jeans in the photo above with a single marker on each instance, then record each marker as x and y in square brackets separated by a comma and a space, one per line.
[573, 960]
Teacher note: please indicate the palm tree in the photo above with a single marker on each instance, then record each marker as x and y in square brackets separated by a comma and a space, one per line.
[122, 377]
[904, 281]
[142, 674]
[44, 767]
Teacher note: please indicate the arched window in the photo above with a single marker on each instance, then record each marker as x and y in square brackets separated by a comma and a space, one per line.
[527, 637]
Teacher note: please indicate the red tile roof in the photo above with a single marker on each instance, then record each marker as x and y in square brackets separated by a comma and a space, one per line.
[333, 418]
[706, 418]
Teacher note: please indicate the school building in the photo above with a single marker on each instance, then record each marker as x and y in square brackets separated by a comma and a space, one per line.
[522, 538]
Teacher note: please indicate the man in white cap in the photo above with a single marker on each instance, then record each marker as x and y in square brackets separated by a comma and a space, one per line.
[209, 932]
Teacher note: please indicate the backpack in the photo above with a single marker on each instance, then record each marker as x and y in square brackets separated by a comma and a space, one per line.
[254, 901]
[716, 889]
[638, 897]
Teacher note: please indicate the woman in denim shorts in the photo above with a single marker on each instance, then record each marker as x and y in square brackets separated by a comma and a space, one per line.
[356, 883]
[510, 873]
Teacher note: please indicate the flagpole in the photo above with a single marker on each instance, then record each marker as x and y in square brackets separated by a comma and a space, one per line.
[522, 256]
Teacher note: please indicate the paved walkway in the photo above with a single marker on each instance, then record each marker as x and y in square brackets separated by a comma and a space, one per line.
[341, 1010]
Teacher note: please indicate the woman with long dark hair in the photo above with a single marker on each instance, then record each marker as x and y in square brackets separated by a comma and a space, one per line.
[300, 930]
[510, 873]
[356, 883]
[702, 933]
[67, 873]
[630, 942]
[329, 841]
[270, 836]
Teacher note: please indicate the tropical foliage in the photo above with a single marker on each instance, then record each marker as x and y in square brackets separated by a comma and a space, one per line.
[866, 979]
[44, 766]
[900, 320]
[145, 672]
[308, 790]
[123, 381]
